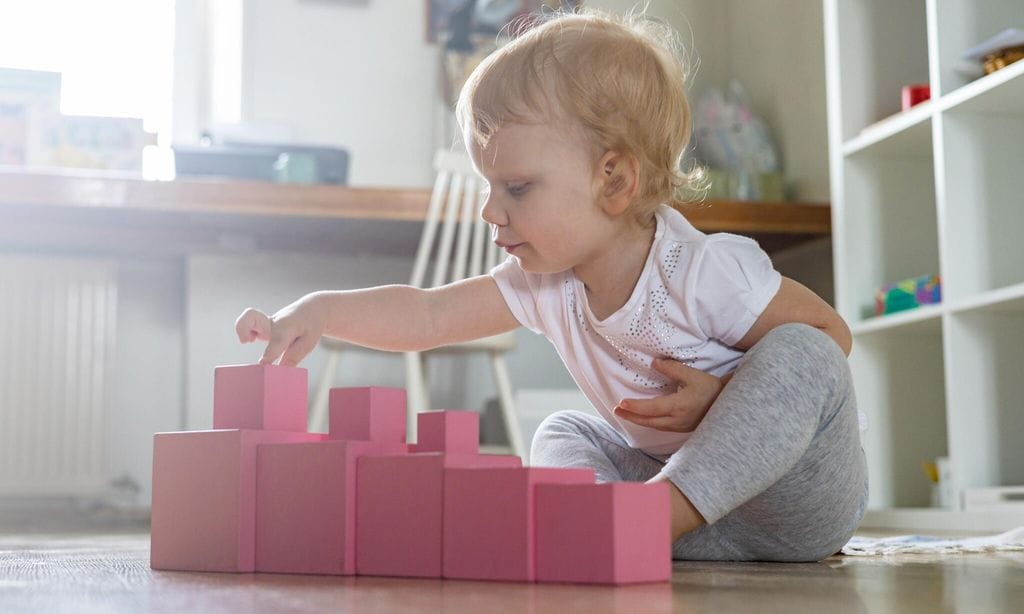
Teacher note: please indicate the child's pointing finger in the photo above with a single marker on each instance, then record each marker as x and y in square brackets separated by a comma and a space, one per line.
[658, 406]
[253, 324]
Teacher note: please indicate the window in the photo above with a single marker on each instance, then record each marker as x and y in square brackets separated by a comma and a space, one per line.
[116, 56]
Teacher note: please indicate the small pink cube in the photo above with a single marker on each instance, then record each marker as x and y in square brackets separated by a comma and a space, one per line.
[491, 511]
[260, 397]
[204, 498]
[399, 509]
[368, 414]
[306, 505]
[614, 533]
[451, 431]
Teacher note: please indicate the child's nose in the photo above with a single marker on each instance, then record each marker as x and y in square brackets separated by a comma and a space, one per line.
[492, 213]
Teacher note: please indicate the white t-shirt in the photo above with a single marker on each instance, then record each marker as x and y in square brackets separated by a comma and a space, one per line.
[697, 296]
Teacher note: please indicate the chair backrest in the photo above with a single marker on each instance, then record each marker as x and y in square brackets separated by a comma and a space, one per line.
[455, 240]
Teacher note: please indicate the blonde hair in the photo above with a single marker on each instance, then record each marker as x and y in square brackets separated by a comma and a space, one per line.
[620, 78]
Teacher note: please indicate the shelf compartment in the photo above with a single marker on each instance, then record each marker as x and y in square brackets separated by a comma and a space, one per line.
[898, 377]
[889, 226]
[985, 350]
[984, 212]
[927, 317]
[902, 134]
[883, 46]
[963, 24]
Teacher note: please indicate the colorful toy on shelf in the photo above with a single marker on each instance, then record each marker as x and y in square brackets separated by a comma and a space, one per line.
[912, 95]
[259, 493]
[908, 294]
[998, 51]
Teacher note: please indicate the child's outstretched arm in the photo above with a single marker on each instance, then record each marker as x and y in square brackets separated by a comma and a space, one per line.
[395, 318]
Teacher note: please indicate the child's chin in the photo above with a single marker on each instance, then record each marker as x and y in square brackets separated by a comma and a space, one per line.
[537, 268]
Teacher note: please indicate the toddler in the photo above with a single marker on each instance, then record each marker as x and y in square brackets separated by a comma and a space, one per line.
[710, 371]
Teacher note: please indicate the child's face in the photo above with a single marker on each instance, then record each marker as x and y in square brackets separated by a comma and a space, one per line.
[542, 203]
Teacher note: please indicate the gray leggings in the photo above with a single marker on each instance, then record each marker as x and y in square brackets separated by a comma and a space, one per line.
[776, 467]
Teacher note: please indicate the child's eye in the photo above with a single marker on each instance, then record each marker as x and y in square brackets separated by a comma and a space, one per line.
[517, 189]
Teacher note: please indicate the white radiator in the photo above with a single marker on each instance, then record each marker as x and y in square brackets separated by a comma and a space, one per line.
[57, 325]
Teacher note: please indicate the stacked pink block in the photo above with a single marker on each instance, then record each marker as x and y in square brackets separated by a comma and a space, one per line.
[260, 493]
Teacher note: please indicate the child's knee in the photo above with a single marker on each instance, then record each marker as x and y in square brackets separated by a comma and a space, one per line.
[800, 334]
[565, 422]
[564, 427]
[801, 346]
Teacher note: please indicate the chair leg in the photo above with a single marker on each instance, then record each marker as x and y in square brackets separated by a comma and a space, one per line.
[508, 408]
[318, 418]
[416, 390]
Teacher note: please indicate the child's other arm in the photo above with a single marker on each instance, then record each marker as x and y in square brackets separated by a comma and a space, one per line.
[795, 303]
[395, 318]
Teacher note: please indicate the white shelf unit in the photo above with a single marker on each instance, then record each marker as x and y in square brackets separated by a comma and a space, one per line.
[937, 189]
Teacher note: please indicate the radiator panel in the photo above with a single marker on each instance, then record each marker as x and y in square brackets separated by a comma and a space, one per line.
[57, 336]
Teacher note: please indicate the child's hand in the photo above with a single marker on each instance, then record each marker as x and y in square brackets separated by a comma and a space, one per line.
[293, 331]
[680, 411]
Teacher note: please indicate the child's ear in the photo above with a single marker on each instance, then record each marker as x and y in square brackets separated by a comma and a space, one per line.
[618, 179]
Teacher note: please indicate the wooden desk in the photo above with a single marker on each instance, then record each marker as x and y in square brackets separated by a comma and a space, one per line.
[111, 212]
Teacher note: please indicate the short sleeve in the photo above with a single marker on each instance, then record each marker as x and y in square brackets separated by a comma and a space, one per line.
[734, 282]
[521, 293]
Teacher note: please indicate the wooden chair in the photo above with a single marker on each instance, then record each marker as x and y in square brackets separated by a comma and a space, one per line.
[454, 245]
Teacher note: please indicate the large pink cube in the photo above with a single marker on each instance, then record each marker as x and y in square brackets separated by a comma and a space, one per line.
[204, 498]
[368, 414]
[260, 397]
[451, 431]
[489, 521]
[613, 533]
[399, 511]
[306, 505]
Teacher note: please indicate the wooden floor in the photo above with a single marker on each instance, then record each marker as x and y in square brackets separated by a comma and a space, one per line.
[110, 573]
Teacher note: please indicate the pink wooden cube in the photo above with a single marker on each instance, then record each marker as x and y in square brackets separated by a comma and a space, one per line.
[451, 431]
[260, 397]
[204, 498]
[615, 533]
[491, 511]
[306, 505]
[399, 508]
[368, 414]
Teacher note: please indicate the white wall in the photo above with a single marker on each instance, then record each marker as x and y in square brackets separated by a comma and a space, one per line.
[778, 53]
[775, 48]
[146, 393]
[359, 75]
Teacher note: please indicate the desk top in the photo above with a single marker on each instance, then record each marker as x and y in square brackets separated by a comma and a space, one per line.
[43, 201]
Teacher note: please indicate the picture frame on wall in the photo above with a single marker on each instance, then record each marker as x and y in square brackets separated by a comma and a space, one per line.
[454, 22]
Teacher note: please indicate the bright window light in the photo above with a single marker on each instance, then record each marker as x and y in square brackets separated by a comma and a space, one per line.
[116, 56]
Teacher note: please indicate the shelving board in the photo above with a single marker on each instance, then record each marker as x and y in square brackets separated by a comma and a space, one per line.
[921, 318]
[930, 519]
[901, 134]
[999, 92]
[1003, 300]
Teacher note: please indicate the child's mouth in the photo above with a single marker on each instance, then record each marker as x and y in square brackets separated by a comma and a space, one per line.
[509, 247]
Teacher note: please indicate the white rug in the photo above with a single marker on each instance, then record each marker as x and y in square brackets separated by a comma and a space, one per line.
[924, 544]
